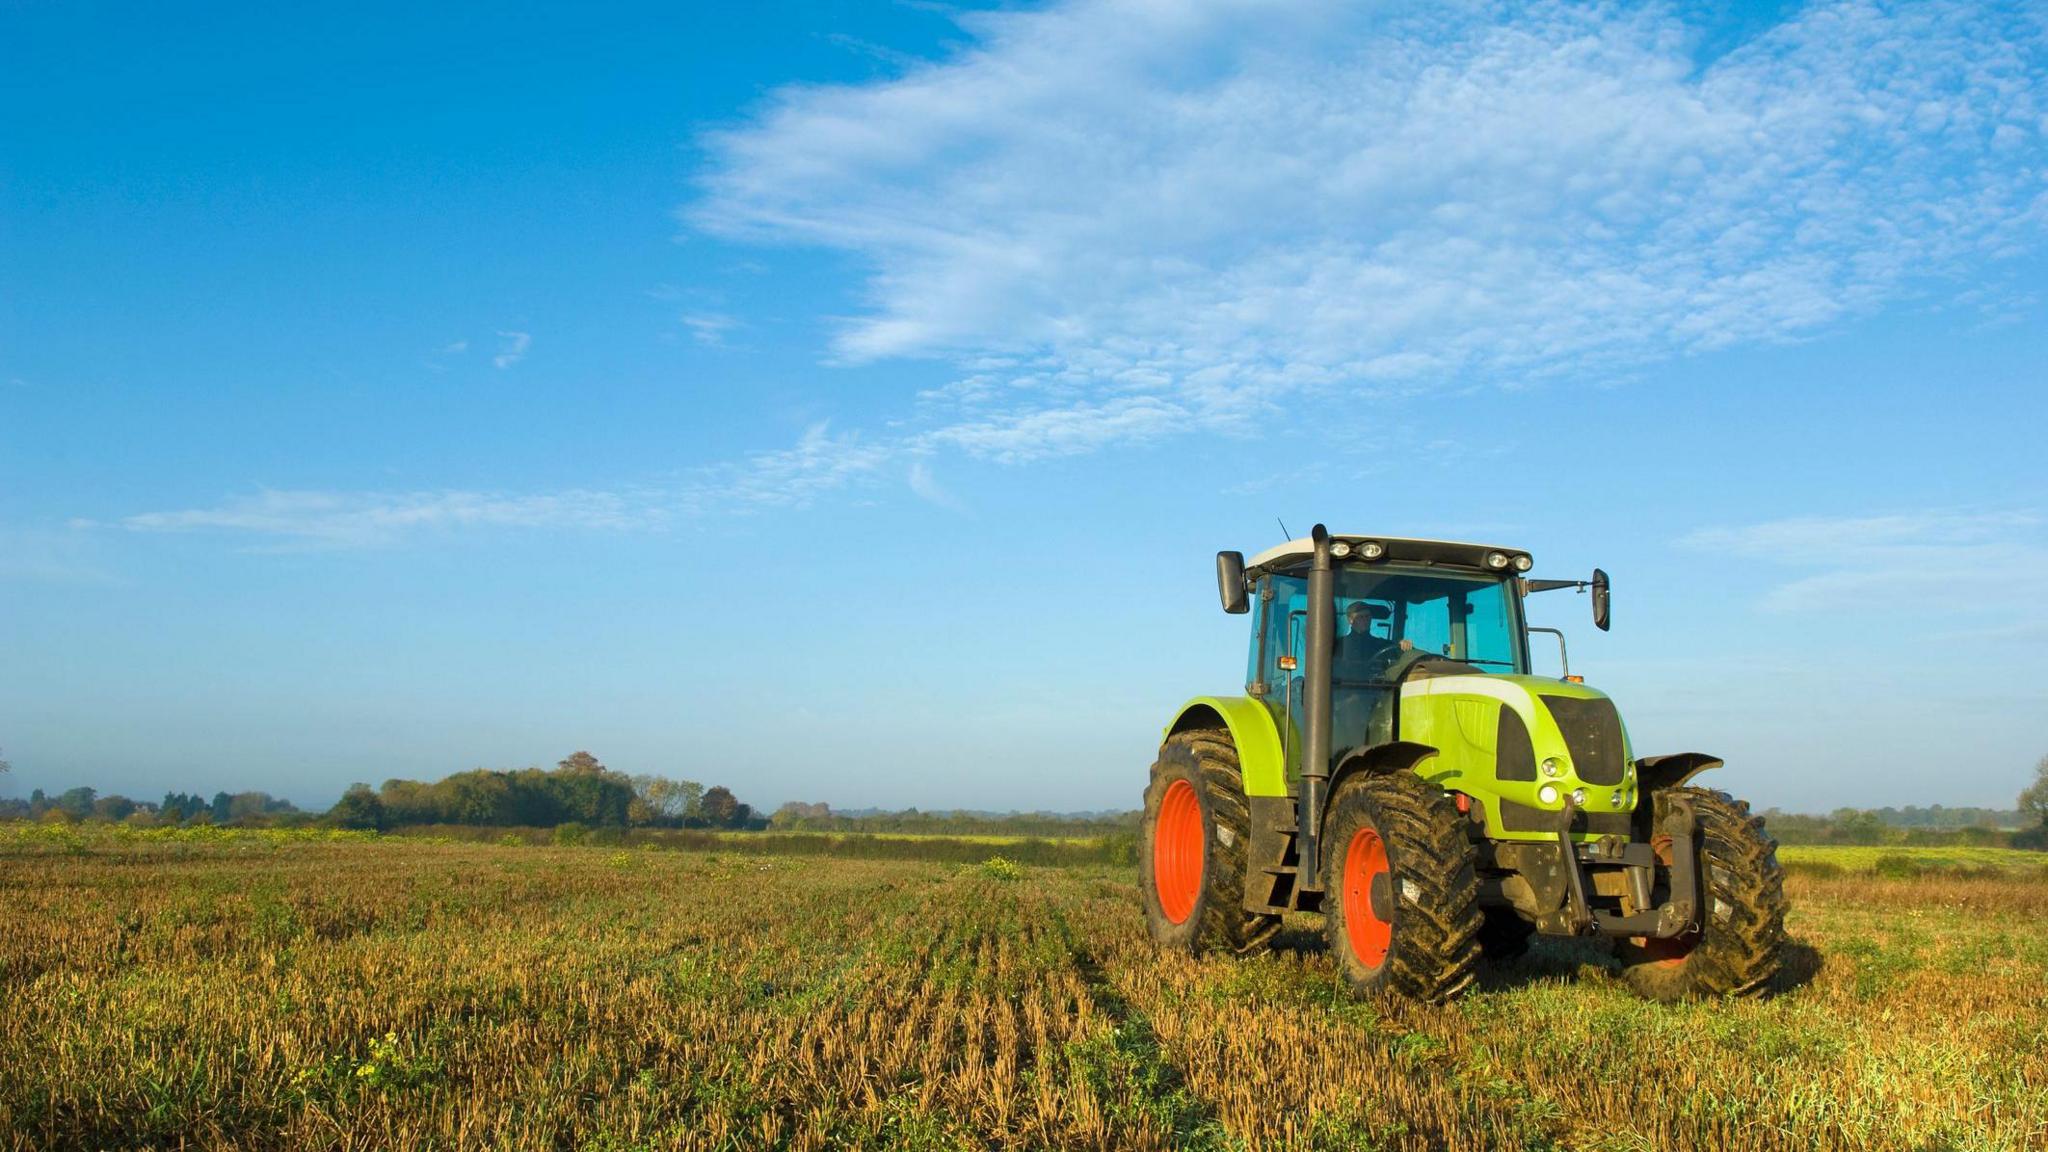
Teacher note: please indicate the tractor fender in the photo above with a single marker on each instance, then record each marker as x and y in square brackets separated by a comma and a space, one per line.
[1656, 773]
[1379, 760]
[1259, 758]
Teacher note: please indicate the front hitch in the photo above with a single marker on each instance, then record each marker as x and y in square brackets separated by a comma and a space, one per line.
[1675, 917]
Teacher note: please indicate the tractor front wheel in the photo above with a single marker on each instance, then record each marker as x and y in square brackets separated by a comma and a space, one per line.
[1400, 894]
[1739, 944]
[1191, 859]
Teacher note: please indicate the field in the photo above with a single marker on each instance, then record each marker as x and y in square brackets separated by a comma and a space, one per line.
[228, 991]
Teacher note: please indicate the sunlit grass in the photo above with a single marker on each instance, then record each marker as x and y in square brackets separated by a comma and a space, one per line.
[246, 990]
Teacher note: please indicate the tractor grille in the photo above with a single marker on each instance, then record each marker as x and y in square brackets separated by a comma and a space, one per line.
[1592, 734]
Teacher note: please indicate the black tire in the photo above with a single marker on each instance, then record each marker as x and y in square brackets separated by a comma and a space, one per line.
[1740, 946]
[1504, 935]
[1206, 760]
[1430, 896]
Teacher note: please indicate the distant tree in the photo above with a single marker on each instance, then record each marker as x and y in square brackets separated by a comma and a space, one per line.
[358, 808]
[113, 809]
[258, 805]
[660, 800]
[223, 807]
[181, 808]
[2034, 801]
[77, 802]
[581, 764]
[797, 814]
[721, 807]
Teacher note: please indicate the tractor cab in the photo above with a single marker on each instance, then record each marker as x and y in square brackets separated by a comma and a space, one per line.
[1403, 609]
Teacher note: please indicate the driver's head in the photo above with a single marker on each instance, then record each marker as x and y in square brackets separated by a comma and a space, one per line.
[1360, 616]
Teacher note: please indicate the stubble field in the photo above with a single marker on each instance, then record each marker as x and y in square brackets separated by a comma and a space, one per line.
[297, 992]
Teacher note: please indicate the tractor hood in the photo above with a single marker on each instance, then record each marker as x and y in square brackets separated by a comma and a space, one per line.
[1510, 738]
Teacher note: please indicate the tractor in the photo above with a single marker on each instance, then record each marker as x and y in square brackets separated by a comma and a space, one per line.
[1412, 781]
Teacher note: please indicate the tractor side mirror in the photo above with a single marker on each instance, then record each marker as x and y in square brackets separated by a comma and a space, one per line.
[1230, 582]
[1601, 599]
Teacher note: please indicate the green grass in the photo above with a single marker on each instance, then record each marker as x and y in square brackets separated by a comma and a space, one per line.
[1904, 861]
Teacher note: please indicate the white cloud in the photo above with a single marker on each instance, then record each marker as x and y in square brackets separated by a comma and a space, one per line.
[709, 328]
[1180, 212]
[791, 477]
[511, 349]
[928, 489]
[358, 519]
[1924, 565]
[788, 478]
[455, 348]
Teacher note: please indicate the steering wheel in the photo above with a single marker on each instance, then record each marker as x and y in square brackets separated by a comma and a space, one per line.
[1396, 661]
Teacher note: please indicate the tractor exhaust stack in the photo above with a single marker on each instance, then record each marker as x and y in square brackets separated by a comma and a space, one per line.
[1315, 744]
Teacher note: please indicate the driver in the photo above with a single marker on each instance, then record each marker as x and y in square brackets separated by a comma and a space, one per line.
[1358, 647]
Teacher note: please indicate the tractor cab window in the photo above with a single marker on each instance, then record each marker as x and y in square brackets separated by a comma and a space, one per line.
[1460, 617]
[1464, 618]
[1388, 620]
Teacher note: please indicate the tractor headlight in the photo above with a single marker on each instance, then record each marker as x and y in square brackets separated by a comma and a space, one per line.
[1552, 766]
[1523, 563]
[1621, 798]
[1372, 549]
[1496, 559]
[1340, 549]
[1547, 793]
[1579, 797]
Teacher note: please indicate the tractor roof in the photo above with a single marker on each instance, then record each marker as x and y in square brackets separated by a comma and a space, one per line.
[1441, 553]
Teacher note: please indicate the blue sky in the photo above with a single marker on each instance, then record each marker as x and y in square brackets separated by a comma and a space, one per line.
[843, 401]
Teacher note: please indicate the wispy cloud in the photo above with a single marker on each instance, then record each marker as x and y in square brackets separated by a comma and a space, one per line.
[1920, 566]
[1161, 216]
[52, 556]
[928, 489]
[512, 348]
[360, 519]
[455, 348]
[709, 328]
[782, 479]
[1126, 220]
[819, 462]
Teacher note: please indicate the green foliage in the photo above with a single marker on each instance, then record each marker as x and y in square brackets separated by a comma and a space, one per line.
[528, 797]
[1932, 826]
[2034, 801]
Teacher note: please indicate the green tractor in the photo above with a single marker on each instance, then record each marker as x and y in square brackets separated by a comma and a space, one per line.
[1411, 780]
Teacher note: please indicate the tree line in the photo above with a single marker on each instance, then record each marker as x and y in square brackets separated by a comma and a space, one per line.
[2023, 826]
[579, 790]
[175, 809]
[797, 816]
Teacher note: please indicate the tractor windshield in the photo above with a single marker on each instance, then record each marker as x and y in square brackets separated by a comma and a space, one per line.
[1468, 618]
[1451, 616]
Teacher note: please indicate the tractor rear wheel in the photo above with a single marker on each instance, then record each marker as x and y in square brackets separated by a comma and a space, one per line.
[1740, 944]
[1400, 893]
[1191, 858]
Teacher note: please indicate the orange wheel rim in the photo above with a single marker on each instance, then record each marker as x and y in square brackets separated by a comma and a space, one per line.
[1177, 851]
[1365, 861]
